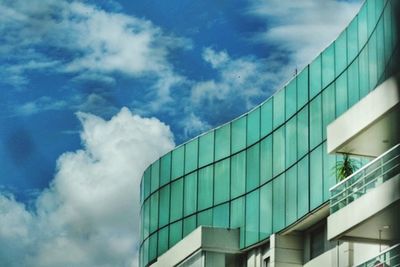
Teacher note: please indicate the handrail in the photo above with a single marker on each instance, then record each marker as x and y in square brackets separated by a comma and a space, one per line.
[388, 250]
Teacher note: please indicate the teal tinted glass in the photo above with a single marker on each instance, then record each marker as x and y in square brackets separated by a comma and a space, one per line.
[165, 169]
[302, 88]
[222, 141]
[178, 158]
[238, 174]
[164, 206]
[191, 150]
[146, 252]
[153, 247]
[253, 167]
[176, 200]
[237, 217]
[328, 65]
[155, 175]
[315, 122]
[380, 49]
[341, 94]
[278, 188]
[253, 126]
[363, 69]
[362, 26]
[353, 92]
[252, 217]
[279, 108]
[206, 149]
[221, 181]
[328, 108]
[266, 117]
[291, 141]
[315, 77]
[316, 186]
[302, 188]
[291, 98]
[329, 172]
[341, 53]
[204, 218]
[221, 216]
[239, 134]
[190, 194]
[291, 195]
[189, 224]
[265, 210]
[175, 233]
[373, 61]
[302, 132]
[163, 240]
[147, 182]
[279, 150]
[387, 24]
[146, 218]
[205, 196]
[266, 159]
[154, 212]
[352, 40]
[371, 15]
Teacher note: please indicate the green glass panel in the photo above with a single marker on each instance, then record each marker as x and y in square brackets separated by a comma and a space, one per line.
[176, 200]
[153, 247]
[165, 169]
[362, 27]
[278, 203]
[279, 108]
[315, 77]
[175, 233]
[302, 88]
[371, 15]
[205, 197]
[155, 175]
[253, 126]
[154, 212]
[265, 210]
[352, 40]
[178, 160]
[328, 65]
[253, 167]
[221, 216]
[291, 98]
[266, 159]
[372, 62]
[266, 117]
[341, 94]
[204, 218]
[221, 181]
[380, 49]
[189, 224]
[238, 174]
[328, 108]
[239, 134]
[291, 195]
[191, 150]
[329, 172]
[279, 151]
[353, 83]
[190, 193]
[163, 240]
[363, 72]
[147, 182]
[316, 186]
[341, 52]
[206, 149]
[302, 187]
[164, 206]
[291, 141]
[142, 190]
[387, 18]
[146, 252]
[315, 122]
[252, 217]
[146, 219]
[237, 217]
[222, 142]
[302, 132]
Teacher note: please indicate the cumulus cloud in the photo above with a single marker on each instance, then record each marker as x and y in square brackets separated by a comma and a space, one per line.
[89, 214]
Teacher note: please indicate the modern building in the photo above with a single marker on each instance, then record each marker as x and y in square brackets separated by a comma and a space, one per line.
[262, 190]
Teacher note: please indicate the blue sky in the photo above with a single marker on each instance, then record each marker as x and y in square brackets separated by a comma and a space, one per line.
[93, 91]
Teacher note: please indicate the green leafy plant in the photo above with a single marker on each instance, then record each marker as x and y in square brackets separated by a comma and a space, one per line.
[345, 167]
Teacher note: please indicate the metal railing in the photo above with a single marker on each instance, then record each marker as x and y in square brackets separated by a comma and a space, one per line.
[363, 180]
[389, 257]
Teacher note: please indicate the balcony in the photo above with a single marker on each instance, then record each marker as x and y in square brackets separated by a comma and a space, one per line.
[389, 257]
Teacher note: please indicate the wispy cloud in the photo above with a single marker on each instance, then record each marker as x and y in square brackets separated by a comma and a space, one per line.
[41, 104]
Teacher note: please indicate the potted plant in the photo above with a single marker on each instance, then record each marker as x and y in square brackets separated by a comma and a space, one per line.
[345, 167]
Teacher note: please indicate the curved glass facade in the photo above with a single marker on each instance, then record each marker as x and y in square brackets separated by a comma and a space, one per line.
[268, 168]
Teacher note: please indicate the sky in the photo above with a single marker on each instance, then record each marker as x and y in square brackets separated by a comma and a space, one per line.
[92, 92]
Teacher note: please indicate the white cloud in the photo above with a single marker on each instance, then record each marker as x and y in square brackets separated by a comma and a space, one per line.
[43, 103]
[89, 215]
